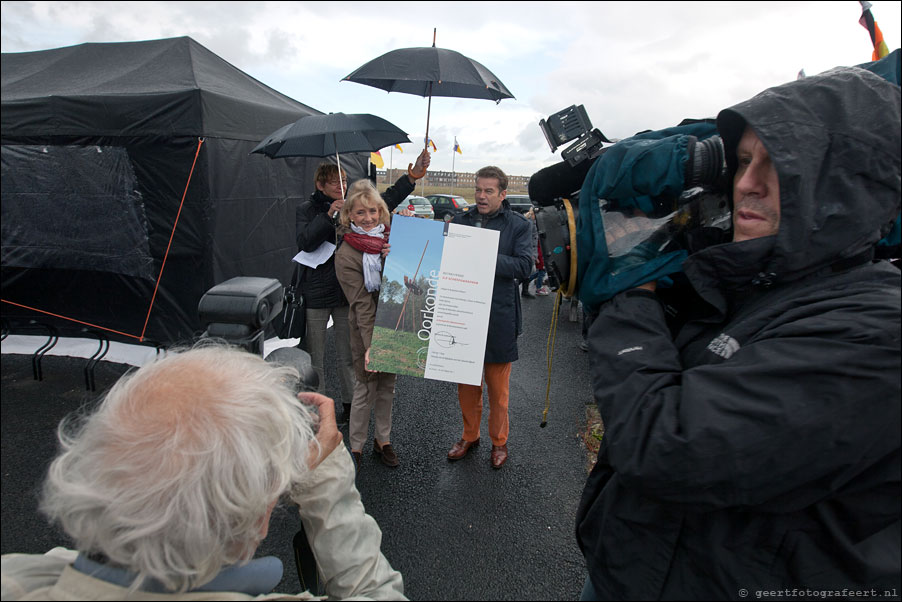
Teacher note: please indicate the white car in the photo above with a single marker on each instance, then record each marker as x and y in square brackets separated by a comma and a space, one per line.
[419, 205]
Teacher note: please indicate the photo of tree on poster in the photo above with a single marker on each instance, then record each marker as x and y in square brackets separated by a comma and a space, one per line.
[399, 341]
[435, 300]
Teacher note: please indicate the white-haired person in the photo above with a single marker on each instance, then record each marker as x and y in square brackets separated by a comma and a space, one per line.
[365, 223]
[167, 488]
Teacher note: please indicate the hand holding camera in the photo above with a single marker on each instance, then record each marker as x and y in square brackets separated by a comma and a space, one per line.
[327, 433]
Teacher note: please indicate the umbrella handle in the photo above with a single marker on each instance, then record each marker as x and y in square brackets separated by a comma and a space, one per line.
[416, 175]
[338, 162]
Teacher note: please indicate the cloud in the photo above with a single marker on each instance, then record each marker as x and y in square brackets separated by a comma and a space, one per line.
[634, 65]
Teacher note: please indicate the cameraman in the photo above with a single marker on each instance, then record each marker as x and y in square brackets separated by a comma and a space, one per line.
[759, 446]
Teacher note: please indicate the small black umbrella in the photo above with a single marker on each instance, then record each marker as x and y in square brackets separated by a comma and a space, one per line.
[332, 134]
[429, 72]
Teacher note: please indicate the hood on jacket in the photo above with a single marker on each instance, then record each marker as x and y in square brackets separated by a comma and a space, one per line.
[834, 139]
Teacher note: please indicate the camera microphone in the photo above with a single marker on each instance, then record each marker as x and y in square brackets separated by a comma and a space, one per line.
[557, 181]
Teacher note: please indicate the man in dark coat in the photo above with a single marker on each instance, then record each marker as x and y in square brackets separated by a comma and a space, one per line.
[756, 452]
[514, 263]
[315, 224]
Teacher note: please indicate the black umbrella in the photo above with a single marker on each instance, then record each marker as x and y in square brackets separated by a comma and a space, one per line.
[332, 134]
[430, 72]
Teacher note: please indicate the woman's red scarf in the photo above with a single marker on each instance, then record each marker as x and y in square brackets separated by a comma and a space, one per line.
[367, 244]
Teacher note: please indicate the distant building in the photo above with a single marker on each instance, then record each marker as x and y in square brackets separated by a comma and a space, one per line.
[448, 179]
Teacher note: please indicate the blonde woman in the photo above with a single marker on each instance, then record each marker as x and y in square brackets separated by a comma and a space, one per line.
[315, 223]
[364, 225]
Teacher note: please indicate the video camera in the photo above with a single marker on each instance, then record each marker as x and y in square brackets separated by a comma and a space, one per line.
[569, 124]
[640, 223]
[552, 189]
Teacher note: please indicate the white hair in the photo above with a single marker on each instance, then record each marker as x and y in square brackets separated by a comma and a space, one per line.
[173, 474]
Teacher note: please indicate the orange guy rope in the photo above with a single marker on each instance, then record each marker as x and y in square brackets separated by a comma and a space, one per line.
[200, 142]
[70, 319]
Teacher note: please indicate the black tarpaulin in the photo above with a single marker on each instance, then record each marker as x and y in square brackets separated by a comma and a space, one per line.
[99, 142]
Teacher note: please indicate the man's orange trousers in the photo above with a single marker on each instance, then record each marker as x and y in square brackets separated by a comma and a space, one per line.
[497, 379]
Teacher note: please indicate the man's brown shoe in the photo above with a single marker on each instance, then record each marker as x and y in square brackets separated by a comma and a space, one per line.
[499, 455]
[460, 449]
[389, 457]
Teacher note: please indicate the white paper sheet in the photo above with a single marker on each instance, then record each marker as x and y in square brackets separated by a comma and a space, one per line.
[317, 257]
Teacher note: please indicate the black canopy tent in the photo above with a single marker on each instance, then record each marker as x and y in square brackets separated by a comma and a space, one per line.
[104, 147]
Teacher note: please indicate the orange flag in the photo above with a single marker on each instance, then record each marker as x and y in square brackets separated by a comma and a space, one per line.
[867, 21]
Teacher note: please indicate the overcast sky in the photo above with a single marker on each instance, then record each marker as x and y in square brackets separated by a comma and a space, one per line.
[634, 65]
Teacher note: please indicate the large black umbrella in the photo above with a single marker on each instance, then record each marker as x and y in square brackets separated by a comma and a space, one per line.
[332, 134]
[429, 72]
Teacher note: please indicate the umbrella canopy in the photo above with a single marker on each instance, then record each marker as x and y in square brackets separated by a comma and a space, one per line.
[332, 134]
[430, 71]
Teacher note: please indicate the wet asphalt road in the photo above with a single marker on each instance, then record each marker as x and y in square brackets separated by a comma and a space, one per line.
[456, 531]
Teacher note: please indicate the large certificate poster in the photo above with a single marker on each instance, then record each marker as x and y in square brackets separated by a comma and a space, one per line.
[435, 300]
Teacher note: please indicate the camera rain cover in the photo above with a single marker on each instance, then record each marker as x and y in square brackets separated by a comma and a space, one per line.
[634, 238]
[634, 213]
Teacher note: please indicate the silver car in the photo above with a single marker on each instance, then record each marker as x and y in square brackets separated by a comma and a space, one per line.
[419, 205]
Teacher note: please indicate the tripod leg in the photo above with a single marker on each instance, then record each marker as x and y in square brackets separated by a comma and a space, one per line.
[306, 564]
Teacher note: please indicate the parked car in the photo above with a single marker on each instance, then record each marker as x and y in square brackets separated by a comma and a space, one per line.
[520, 202]
[447, 206]
[419, 205]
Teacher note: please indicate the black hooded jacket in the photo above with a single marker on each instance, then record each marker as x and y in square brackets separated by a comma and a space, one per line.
[759, 448]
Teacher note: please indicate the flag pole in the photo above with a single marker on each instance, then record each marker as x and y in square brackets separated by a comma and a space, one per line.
[453, 172]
